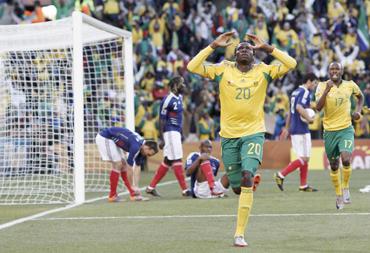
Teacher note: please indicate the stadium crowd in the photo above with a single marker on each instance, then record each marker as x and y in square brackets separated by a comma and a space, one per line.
[168, 33]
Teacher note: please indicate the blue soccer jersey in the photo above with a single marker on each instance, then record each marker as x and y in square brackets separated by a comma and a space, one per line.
[171, 112]
[127, 140]
[301, 96]
[192, 157]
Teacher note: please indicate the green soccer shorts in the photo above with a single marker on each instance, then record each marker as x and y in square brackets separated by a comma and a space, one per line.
[337, 142]
[242, 154]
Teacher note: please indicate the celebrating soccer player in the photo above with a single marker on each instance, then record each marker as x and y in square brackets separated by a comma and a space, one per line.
[111, 143]
[300, 134]
[242, 86]
[170, 125]
[334, 96]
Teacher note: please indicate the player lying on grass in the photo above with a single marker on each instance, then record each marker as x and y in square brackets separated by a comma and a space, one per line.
[113, 144]
[242, 87]
[334, 96]
[300, 134]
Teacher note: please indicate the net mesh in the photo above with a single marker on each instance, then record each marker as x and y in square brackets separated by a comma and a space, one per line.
[36, 119]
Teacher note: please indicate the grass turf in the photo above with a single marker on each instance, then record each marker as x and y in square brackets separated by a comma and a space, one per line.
[104, 227]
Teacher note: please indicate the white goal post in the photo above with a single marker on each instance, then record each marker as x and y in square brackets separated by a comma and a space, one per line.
[61, 82]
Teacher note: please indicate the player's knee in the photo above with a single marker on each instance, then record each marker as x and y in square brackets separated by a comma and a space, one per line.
[334, 167]
[237, 191]
[346, 162]
[167, 162]
[305, 159]
[346, 158]
[247, 179]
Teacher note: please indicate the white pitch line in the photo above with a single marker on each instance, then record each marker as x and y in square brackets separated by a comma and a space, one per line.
[201, 216]
[39, 215]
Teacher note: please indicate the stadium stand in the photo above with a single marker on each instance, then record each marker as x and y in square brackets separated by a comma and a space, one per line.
[166, 34]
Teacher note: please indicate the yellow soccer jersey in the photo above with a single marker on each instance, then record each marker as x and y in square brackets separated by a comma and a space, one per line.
[337, 108]
[242, 95]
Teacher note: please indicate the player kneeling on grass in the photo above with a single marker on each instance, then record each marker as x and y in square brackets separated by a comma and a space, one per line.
[201, 167]
[300, 134]
[113, 143]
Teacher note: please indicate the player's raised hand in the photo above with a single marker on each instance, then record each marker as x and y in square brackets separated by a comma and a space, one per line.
[223, 40]
[259, 44]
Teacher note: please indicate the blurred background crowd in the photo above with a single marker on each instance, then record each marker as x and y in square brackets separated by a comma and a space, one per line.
[168, 33]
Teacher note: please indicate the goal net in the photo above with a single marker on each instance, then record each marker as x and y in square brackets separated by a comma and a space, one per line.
[61, 82]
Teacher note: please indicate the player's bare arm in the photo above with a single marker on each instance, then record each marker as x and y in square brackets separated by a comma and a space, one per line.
[285, 131]
[356, 115]
[161, 143]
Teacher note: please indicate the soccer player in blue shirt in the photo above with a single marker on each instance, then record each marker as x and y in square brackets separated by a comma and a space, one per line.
[300, 134]
[112, 143]
[170, 125]
[201, 167]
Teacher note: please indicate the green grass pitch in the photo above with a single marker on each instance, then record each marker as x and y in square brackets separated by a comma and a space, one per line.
[288, 221]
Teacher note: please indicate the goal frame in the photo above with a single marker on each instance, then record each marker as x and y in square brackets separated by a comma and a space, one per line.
[78, 19]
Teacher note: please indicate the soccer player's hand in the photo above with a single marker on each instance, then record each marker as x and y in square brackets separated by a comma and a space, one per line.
[259, 44]
[161, 144]
[356, 116]
[223, 40]
[329, 85]
[204, 157]
[284, 134]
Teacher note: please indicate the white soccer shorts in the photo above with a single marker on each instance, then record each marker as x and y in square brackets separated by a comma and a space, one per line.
[202, 191]
[301, 144]
[108, 149]
[172, 145]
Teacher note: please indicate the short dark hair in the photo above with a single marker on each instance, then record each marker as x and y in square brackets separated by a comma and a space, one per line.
[309, 77]
[152, 145]
[175, 80]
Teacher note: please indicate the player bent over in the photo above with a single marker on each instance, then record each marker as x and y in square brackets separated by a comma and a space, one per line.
[334, 96]
[112, 143]
[300, 134]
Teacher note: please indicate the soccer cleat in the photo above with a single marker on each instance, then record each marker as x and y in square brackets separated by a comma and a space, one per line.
[138, 198]
[113, 199]
[153, 192]
[366, 189]
[308, 189]
[339, 203]
[186, 193]
[240, 242]
[256, 181]
[346, 196]
[279, 181]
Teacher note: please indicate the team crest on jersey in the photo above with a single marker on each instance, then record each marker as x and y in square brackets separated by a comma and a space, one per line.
[255, 84]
